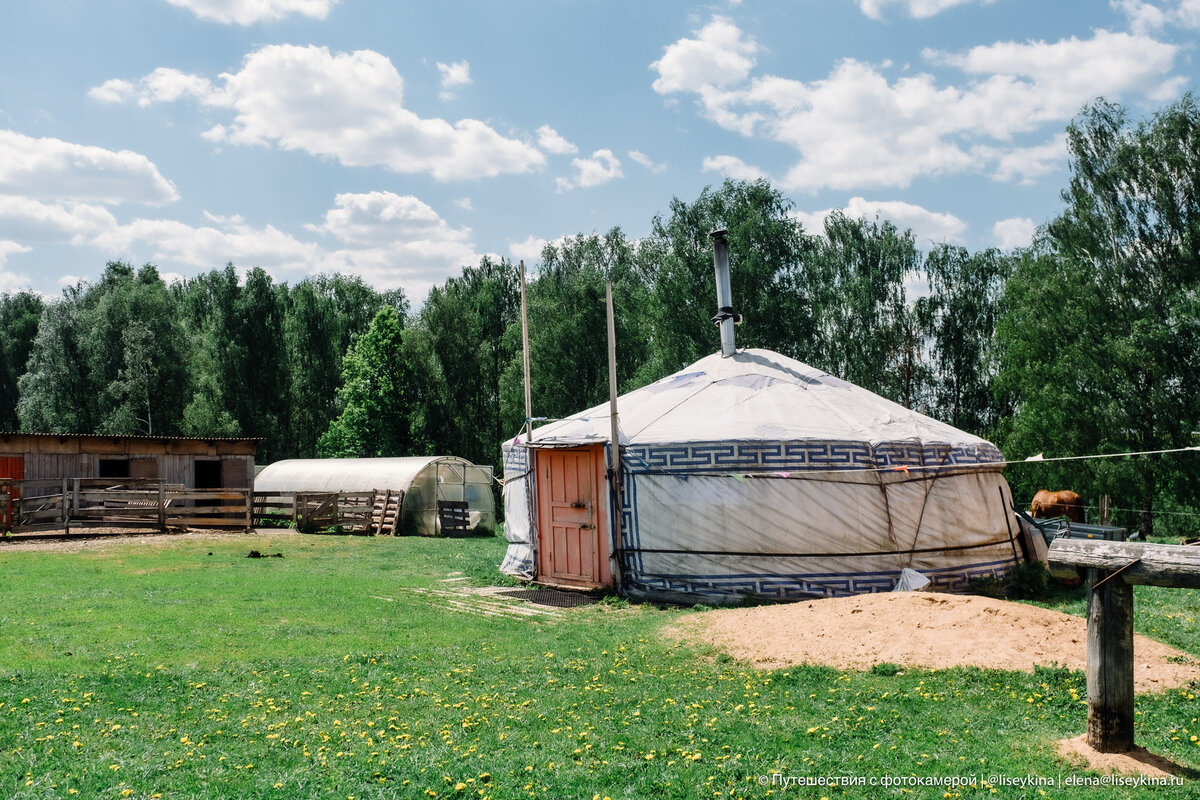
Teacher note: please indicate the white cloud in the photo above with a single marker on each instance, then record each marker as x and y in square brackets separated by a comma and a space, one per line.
[26, 219]
[926, 225]
[206, 246]
[552, 142]
[248, 12]
[918, 9]
[732, 167]
[8, 248]
[718, 56]
[393, 240]
[647, 162]
[57, 170]
[1014, 232]
[390, 240]
[163, 85]
[347, 106]
[1053, 79]
[1146, 18]
[456, 74]
[464, 203]
[12, 281]
[857, 128]
[1143, 17]
[1030, 163]
[530, 249]
[601, 168]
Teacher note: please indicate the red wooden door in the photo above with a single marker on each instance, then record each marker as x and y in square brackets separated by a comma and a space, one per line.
[12, 467]
[572, 538]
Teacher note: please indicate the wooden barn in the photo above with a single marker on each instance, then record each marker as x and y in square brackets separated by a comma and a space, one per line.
[192, 463]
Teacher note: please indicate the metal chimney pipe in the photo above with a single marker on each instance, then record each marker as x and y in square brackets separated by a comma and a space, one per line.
[725, 316]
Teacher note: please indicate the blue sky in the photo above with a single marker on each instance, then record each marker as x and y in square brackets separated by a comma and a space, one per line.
[402, 140]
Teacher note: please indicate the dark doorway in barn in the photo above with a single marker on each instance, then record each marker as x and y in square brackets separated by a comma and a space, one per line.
[208, 474]
[113, 468]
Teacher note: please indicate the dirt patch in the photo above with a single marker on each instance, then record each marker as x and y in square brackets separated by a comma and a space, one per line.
[96, 540]
[920, 629]
[1138, 761]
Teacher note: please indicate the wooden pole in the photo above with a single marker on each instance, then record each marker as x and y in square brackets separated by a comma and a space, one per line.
[162, 506]
[1109, 662]
[614, 472]
[525, 354]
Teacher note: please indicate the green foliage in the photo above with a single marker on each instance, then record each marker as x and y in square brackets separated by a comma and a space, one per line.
[1101, 342]
[108, 358]
[459, 341]
[771, 289]
[568, 338]
[380, 397]
[868, 330]
[959, 315]
[20, 315]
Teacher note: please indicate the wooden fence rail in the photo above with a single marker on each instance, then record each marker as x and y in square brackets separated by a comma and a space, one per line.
[79, 502]
[364, 513]
[1113, 569]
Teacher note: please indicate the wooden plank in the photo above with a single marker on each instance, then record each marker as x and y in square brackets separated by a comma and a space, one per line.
[239, 511]
[200, 494]
[1109, 663]
[1139, 563]
[206, 522]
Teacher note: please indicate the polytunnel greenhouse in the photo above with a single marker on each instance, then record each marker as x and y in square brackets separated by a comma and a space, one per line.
[425, 481]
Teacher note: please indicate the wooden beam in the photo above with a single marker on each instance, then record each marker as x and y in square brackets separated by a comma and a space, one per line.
[1138, 563]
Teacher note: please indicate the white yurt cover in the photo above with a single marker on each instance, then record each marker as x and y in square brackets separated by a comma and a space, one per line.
[758, 475]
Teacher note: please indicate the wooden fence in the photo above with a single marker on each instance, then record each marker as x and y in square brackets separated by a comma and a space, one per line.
[39, 505]
[364, 513]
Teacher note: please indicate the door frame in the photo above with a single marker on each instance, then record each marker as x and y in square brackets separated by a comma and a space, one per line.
[544, 544]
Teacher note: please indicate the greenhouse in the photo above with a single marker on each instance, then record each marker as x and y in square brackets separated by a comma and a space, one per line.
[426, 482]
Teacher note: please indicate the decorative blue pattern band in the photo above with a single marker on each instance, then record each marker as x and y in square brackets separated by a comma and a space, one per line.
[702, 457]
[799, 586]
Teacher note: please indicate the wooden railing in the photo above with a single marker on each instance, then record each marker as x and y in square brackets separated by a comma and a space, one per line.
[90, 502]
[365, 513]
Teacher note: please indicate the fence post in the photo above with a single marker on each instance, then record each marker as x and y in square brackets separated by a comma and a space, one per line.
[66, 505]
[162, 506]
[249, 509]
[1109, 662]
[75, 500]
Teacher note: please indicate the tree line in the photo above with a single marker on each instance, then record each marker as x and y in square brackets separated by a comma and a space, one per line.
[1086, 342]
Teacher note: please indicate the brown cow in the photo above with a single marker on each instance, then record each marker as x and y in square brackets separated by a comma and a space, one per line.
[1047, 504]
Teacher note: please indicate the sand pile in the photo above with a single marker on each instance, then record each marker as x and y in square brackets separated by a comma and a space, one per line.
[920, 629]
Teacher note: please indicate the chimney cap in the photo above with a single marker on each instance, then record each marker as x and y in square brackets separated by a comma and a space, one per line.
[718, 234]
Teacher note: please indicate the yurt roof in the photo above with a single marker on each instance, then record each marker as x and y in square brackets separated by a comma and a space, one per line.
[753, 395]
[344, 474]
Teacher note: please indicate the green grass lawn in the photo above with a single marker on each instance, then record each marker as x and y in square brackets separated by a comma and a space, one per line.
[183, 669]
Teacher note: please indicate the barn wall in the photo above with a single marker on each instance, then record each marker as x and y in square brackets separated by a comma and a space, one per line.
[50, 457]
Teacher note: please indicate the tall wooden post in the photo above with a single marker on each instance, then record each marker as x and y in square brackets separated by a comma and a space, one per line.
[1109, 662]
[614, 473]
[525, 356]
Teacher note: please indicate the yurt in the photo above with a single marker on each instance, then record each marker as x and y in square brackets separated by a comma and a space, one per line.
[425, 481]
[755, 474]
[751, 474]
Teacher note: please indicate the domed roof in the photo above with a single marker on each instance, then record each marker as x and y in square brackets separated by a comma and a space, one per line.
[754, 395]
